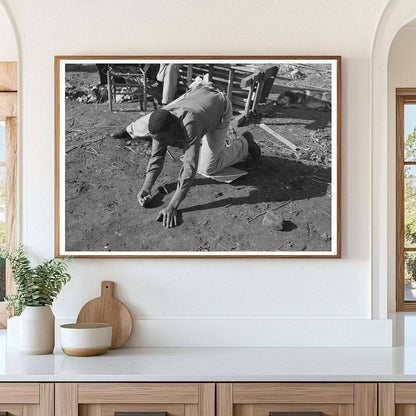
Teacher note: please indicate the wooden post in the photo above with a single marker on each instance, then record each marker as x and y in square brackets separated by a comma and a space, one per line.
[249, 99]
[189, 74]
[110, 93]
[230, 83]
[278, 137]
[145, 91]
[210, 71]
[259, 90]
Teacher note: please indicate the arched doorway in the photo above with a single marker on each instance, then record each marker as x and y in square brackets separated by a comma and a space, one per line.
[396, 14]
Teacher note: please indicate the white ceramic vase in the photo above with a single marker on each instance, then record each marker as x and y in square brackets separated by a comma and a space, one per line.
[13, 331]
[37, 330]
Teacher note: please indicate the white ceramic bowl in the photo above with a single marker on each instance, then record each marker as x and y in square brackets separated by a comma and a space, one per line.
[83, 340]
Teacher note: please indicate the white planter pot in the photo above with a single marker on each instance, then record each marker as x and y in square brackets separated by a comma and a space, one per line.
[37, 330]
[13, 331]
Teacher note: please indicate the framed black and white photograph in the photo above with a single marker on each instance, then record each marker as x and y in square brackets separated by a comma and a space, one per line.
[198, 156]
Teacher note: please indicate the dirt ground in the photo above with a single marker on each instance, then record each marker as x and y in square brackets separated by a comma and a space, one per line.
[104, 175]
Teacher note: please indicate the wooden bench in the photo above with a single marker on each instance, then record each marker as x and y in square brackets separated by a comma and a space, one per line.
[247, 86]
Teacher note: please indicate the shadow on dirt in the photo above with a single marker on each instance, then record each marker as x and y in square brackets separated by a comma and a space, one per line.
[288, 226]
[156, 201]
[275, 180]
[318, 119]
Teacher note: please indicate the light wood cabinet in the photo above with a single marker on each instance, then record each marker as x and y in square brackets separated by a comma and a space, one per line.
[27, 399]
[208, 399]
[106, 399]
[397, 399]
[297, 399]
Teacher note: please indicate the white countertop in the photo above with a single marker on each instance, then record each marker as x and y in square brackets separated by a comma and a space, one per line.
[213, 364]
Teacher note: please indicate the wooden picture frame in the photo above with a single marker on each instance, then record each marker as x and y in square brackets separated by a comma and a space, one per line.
[290, 104]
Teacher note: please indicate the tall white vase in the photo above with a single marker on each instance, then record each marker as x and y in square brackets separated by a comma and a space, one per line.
[37, 330]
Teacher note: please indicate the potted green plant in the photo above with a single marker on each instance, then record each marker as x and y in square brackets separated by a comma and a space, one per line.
[36, 289]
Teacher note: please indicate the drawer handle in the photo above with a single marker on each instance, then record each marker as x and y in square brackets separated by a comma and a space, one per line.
[296, 414]
[138, 414]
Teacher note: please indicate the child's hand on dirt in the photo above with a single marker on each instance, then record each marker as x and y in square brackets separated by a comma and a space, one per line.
[144, 197]
[168, 216]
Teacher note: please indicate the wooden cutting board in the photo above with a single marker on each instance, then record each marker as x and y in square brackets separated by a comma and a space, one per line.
[107, 309]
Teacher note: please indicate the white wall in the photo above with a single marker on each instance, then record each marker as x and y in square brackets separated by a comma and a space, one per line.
[8, 47]
[401, 74]
[179, 302]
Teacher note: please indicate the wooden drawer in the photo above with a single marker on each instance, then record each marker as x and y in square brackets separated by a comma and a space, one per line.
[104, 399]
[27, 399]
[331, 399]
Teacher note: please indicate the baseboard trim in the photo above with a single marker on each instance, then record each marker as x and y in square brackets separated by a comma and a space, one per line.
[173, 333]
